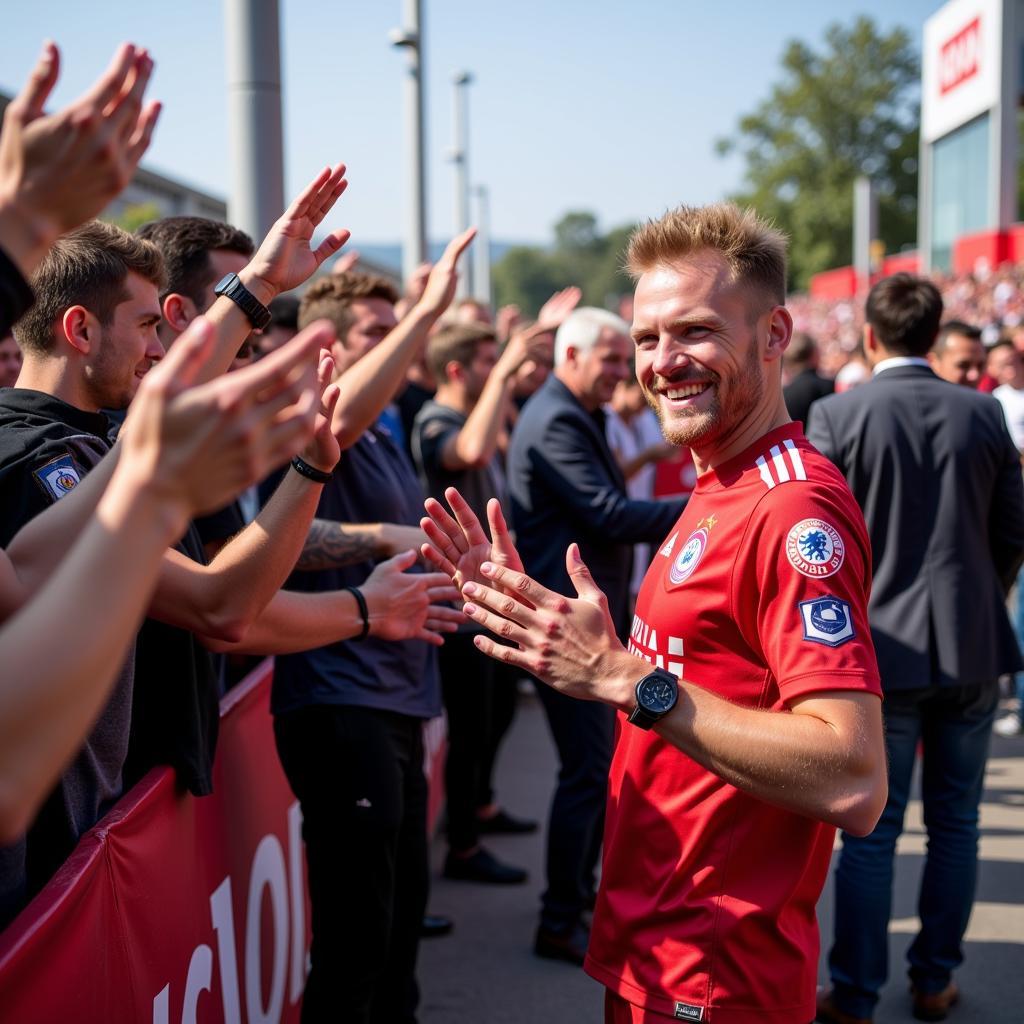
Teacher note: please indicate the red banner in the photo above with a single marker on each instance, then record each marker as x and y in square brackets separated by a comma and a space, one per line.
[180, 909]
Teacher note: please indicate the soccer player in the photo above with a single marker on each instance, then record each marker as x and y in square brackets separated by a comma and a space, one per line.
[753, 727]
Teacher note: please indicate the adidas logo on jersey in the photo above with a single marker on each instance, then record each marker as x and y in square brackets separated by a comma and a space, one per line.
[667, 549]
[779, 467]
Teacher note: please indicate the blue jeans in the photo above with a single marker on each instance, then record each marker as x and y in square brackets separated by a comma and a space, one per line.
[953, 725]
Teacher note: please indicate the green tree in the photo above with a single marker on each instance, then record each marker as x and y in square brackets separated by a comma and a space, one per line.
[851, 109]
[581, 255]
[133, 216]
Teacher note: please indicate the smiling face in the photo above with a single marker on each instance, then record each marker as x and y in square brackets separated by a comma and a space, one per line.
[126, 347]
[707, 354]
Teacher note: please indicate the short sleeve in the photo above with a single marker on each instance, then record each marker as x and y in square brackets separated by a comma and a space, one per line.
[802, 590]
[434, 433]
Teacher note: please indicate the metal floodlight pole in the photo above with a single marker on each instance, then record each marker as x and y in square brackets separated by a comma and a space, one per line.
[482, 246]
[252, 35]
[410, 39]
[460, 157]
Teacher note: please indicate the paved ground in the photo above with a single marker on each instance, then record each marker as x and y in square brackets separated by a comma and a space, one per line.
[484, 973]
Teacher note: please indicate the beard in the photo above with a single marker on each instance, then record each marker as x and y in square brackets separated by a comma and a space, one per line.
[730, 404]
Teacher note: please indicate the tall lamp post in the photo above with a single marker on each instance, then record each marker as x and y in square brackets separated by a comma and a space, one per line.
[460, 157]
[252, 36]
[410, 39]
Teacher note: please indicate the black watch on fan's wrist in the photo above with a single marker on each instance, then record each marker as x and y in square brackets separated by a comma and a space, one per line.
[656, 696]
[257, 314]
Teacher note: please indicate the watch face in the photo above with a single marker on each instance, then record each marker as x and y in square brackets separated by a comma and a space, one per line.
[657, 694]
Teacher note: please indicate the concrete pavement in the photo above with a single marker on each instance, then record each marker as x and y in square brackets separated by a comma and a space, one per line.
[485, 972]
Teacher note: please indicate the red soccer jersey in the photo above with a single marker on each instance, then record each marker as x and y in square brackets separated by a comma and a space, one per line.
[707, 902]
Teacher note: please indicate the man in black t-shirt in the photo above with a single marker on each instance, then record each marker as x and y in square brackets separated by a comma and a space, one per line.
[455, 443]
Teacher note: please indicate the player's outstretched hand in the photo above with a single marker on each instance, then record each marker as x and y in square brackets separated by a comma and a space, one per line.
[59, 170]
[199, 446]
[286, 258]
[407, 606]
[569, 643]
[458, 546]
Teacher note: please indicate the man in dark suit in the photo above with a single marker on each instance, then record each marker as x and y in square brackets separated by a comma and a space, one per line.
[565, 486]
[933, 467]
[805, 385]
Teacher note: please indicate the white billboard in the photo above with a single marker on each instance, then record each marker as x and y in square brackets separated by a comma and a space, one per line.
[961, 65]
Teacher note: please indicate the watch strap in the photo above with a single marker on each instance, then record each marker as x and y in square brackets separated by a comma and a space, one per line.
[256, 313]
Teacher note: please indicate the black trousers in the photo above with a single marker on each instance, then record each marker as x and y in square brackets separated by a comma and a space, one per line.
[467, 681]
[584, 734]
[358, 775]
[504, 698]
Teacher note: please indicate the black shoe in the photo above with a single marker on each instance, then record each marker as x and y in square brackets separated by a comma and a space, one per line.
[482, 867]
[569, 945]
[435, 925]
[503, 823]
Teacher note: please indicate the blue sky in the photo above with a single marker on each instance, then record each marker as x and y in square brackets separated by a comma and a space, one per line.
[597, 105]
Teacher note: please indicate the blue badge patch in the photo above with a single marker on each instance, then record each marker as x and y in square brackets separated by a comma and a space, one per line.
[58, 477]
[827, 620]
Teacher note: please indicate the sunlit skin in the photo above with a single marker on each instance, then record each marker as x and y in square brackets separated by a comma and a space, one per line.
[708, 353]
[1004, 365]
[960, 361]
[372, 321]
[592, 375]
[124, 349]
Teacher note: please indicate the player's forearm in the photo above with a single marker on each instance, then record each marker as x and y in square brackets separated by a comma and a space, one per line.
[799, 762]
[369, 385]
[48, 701]
[26, 237]
[293, 622]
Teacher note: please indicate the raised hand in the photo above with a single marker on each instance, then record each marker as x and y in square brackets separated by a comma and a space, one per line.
[323, 450]
[406, 606]
[444, 275]
[557, 308]
[568, 643]
[458, 546]
[59, 170]
[200, 446]
[286, 257]
[345, 262]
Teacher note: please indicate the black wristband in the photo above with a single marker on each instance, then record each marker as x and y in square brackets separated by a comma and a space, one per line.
[363, 610]
[310, 472]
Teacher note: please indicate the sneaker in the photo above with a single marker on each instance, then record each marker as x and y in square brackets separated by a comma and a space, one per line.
[503, 823]
[482, 866]
[1009, 725]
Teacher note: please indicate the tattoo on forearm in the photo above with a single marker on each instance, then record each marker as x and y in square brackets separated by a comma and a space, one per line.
[328, 546]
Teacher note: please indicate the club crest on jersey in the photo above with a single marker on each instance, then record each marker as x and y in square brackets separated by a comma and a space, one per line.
[689, 557]
[827, 620]
[815, 548]
[58, 477]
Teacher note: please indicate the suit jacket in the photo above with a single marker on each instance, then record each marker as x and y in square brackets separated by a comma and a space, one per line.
[565, 485]
[933, 467]
[803, 390]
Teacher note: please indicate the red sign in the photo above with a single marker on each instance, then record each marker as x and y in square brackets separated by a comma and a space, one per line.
[960, 57]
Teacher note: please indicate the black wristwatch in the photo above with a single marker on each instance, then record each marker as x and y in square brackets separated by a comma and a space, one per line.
[656, 696]
[257, 314]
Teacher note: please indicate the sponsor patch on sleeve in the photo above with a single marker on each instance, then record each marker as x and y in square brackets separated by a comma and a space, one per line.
[827, 620]
[58, 476]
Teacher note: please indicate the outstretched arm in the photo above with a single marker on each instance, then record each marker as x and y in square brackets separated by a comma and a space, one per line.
[401, 606]
[284, 260]
[367, 386]
[59, 170]
[191, 448]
